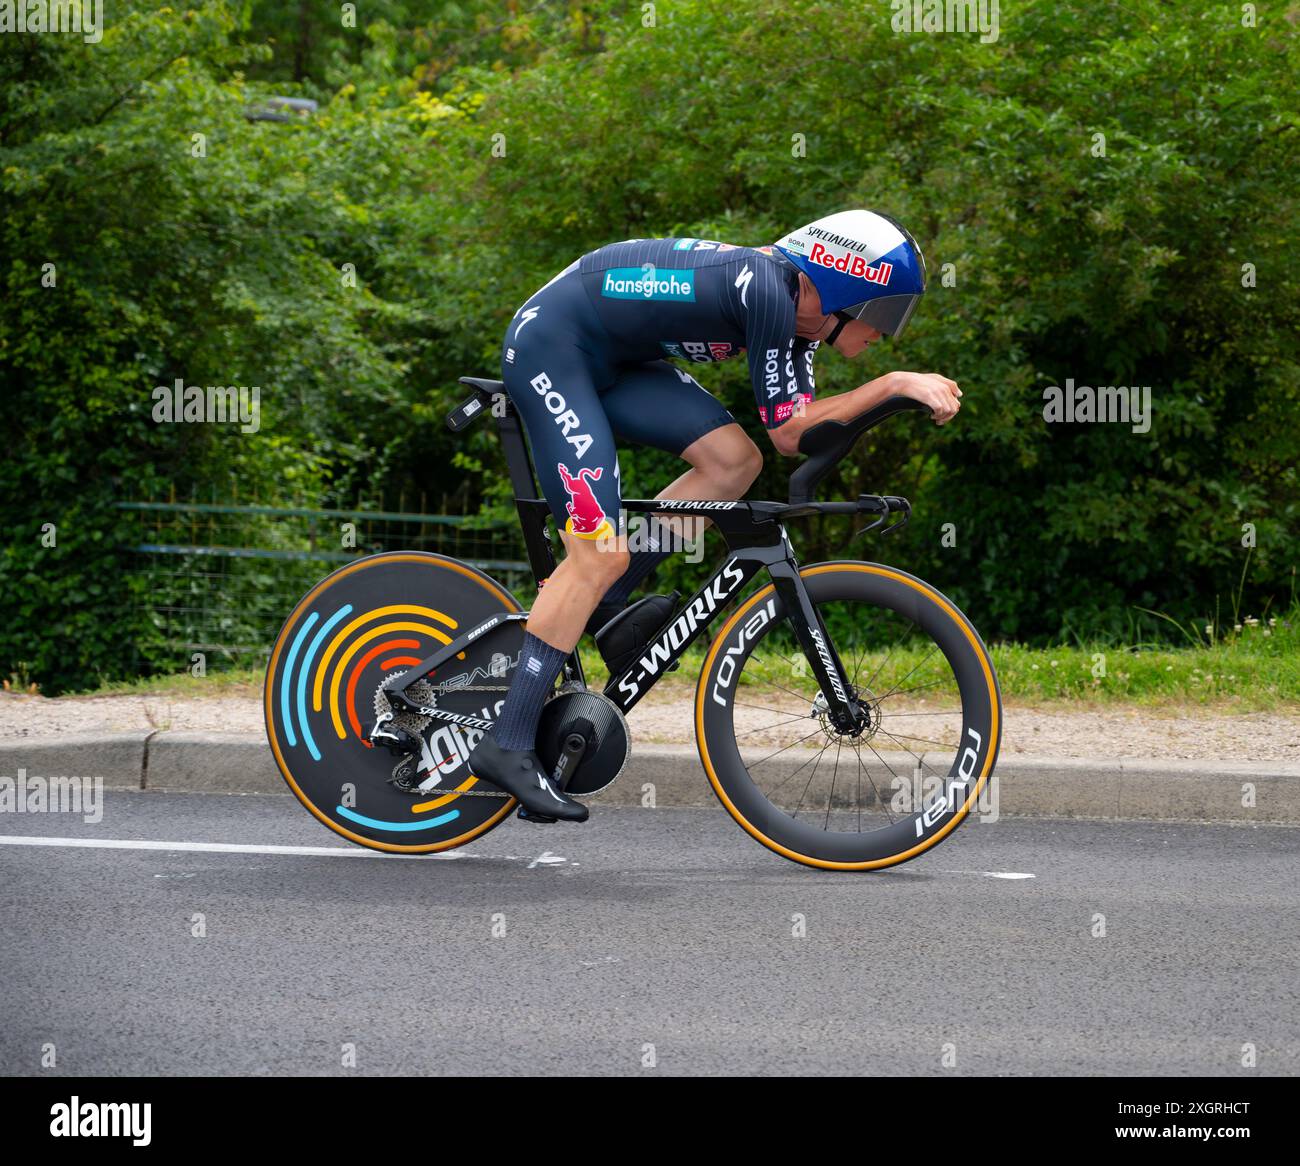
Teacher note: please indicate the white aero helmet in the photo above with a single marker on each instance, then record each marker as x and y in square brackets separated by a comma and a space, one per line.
[863, 264]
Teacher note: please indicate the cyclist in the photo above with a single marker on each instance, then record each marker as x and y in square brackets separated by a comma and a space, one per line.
[584, 361]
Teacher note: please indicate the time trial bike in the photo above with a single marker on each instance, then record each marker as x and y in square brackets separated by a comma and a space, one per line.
[847, 714]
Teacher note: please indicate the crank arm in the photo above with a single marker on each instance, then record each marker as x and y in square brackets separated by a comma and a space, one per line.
[576, 743]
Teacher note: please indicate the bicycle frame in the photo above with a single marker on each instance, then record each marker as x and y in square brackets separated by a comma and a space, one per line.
[756, 539]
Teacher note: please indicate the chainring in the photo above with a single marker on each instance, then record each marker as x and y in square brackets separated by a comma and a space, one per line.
[606, 756]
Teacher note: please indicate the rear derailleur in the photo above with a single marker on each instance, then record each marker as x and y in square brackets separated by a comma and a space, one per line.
[399, 731]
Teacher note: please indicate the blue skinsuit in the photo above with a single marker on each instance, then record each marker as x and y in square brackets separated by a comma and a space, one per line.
[584, 360]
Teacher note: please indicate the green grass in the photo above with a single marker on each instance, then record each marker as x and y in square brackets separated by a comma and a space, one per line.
[1252, 670]
[1253, 665]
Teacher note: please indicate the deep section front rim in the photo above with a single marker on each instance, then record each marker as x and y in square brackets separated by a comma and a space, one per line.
[928, 822]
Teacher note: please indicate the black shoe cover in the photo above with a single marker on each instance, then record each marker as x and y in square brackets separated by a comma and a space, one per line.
[520, 774]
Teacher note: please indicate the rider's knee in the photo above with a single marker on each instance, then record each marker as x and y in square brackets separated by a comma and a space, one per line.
[750, 464]
[601, 560]
[737, 467]
[728, 457]
[612, 562]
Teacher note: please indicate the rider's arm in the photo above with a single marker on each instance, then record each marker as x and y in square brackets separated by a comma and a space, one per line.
[780, 368]
[841, 407]
[940, 394]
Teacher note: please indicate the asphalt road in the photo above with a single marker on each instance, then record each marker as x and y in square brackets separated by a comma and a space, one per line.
[645, 942]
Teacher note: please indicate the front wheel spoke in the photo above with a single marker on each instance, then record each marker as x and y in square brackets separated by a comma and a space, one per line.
[768, 728]
[752, 765]
[740, 704]
[788, 659]
[797, 695]
[922, 740]
[918, 688]
[891, 770]
[830, 798]
[910, 752]
[858, 662]
[888, 656]
[911, 672]
[858, 754]
[808, 783]
[883, 804]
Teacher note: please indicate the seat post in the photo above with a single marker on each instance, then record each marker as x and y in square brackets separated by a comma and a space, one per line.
[523, 481]
[490, 396]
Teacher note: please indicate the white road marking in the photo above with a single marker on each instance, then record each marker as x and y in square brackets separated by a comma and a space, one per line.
[214, 847]
[994, 874]
[546, 858]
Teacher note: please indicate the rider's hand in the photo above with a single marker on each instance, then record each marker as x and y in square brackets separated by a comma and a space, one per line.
[930, 388]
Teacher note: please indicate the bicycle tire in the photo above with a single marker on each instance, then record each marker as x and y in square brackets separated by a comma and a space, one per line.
[314, 716]
[889, 590]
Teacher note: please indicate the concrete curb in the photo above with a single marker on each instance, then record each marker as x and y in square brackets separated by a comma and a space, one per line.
[1024, 785]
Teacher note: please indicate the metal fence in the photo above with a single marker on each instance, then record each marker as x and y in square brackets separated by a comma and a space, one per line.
[219, 579]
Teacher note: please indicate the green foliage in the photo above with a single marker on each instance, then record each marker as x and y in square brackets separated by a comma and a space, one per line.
[464, 152]
[1252, 666]
[153, 234]
[1123, 269]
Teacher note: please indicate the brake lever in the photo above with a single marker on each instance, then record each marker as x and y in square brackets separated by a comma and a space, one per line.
[902, 522]
[889, 504]
[883, 505]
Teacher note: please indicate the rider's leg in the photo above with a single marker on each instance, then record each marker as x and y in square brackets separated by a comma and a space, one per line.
[554, 626]
[551, 379]
[724, 464]
[507, 755]
[577, 467]
[571, 593]
[660, 405]
[553, 631]
[552, 385]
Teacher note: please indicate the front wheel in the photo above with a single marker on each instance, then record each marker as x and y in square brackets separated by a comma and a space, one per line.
[899, 784]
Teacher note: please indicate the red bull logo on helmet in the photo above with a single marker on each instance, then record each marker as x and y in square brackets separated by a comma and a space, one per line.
[586, 515]
[854, 265]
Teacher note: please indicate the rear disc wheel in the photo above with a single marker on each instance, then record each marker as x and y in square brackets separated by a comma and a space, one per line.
[361, 625]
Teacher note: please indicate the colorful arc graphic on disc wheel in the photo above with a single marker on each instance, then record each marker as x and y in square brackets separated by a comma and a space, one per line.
[364, 622]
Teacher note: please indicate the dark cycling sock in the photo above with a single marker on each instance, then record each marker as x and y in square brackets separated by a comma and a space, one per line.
[539, 665]
[642, 562]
